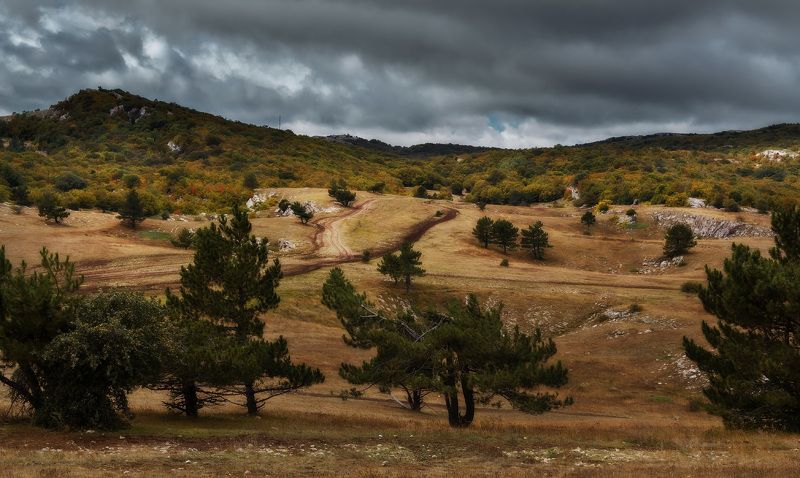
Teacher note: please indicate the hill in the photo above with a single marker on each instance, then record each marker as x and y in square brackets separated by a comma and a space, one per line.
[96, 143]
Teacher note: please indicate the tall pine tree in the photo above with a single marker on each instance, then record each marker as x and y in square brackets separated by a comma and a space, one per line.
[132, 211]
[231, 283]
[504, 234]
[753, 367]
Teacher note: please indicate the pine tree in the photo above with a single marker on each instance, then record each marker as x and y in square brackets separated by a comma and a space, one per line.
[250, 181]
[339, 192]
[463, 352]
[50, 209]
[34, 309]
[399, 358]
[588, 219]
[483, 231]
[404, 265]
[678, 239]
[302, 212]
[535, 240]
[389, 265]
[231, 283]
[752, 368]
[504, 234]
[132, 211]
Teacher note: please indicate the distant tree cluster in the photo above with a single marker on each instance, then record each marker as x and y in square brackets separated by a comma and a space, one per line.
[505, 235]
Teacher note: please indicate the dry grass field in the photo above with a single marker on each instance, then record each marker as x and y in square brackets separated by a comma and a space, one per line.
[636, 397]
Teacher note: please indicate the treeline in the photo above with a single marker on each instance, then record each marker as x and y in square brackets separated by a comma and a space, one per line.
[191, 162]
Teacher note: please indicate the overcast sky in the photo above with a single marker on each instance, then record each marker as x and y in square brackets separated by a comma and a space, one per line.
[500, 72]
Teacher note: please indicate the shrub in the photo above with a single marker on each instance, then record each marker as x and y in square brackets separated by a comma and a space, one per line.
[504, 262]
[691, 287]
[365, 256]
[634, 308]
[184, 239]
[69, 181]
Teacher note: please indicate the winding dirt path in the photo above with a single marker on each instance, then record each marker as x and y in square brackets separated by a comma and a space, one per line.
[158, 271]
[329, 238]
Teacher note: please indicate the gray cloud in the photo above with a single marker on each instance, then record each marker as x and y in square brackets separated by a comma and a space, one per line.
[505, 73]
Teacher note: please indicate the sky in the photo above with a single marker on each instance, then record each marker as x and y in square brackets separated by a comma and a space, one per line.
[494, 73]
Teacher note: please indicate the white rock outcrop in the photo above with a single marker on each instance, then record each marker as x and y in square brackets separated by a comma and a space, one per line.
[710, 227]
[777, 155]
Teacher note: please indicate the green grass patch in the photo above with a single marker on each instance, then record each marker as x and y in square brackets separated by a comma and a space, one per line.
[661, 399]
[155, 235]
[637, 225]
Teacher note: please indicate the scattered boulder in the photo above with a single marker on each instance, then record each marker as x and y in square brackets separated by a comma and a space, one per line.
[259, 198]
[174, 147]
[697, 203]
[285, 245]
[657, 265]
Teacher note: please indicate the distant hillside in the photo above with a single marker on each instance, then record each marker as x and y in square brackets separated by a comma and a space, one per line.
[95, 144]
[423, 150]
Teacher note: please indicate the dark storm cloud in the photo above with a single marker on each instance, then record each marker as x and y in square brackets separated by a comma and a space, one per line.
[509, 73]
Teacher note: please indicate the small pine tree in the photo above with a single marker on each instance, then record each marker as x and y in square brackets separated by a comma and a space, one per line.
[251, 181]
[678, 239]
[421, 192]
[588, 219]
[49, 208]
[284, 205]
[483, 231]
[535, 240]
[132, 211]
[339, 192]
[404, 265]
[184, 239]
[302, 212]
[504, 234]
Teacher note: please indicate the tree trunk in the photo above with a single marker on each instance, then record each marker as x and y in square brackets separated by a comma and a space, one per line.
[191, 404]
[408, 283]
[250, 395]
[414, 398]
[454, 416]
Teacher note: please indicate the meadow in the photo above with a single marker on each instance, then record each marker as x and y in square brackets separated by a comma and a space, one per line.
[638, 402]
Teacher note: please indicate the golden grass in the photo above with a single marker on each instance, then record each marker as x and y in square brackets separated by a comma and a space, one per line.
[631, 415]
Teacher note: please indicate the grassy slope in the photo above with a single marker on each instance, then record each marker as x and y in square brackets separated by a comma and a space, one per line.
[633, 412]
[82, 135]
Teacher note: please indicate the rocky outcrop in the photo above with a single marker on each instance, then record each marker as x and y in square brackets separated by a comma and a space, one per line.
[777, 155]
[706, 227]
